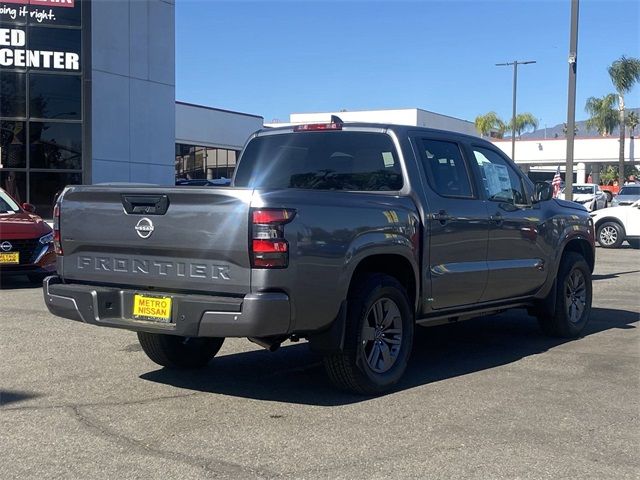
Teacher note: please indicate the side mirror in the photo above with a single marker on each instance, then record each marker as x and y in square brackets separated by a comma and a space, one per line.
[543, 192]
[27, 207]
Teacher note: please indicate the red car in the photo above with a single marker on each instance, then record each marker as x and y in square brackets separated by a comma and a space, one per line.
[26, 241]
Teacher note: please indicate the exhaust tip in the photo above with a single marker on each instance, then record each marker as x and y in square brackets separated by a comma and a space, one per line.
[269, 343]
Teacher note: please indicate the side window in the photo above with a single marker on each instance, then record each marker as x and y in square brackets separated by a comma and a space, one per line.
[501, 182]
[445, 168]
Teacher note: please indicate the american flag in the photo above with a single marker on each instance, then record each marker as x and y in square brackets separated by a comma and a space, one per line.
[556, 183]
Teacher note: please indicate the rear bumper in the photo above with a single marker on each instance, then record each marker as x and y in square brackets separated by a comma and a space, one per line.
[254, 315]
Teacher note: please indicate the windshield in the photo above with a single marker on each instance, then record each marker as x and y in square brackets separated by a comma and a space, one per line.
[7, 204]
[630, 191]
[581, 189]
[357, 161]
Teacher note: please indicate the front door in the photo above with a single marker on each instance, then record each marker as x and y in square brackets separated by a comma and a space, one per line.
[514, 257]
[457, 226]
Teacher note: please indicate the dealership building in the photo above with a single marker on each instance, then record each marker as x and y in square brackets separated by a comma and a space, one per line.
[87, 95]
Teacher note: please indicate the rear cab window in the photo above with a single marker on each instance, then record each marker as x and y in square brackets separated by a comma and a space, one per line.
[344, 160]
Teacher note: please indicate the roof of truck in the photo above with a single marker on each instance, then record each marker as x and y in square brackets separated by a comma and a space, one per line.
[386, 126]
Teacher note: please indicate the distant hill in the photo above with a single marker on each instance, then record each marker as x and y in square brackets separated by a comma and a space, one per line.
[583, 131]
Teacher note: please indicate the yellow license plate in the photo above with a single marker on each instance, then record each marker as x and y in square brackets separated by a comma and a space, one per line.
[9, 257]
[147, 307]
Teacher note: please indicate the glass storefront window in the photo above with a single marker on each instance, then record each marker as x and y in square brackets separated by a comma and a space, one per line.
[45, 188]
[55, 145]
[55, 96]
[13, 95]
[41, 105]
[54, 39]
[15, 184]
[13, 153]
[194, 162]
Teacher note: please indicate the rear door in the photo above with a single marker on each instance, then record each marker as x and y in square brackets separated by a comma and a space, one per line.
[515, 251]
[170, 238]
[457, 224]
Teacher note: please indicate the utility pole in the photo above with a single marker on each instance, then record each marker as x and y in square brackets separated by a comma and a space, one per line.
[571, 105]
[515, 64]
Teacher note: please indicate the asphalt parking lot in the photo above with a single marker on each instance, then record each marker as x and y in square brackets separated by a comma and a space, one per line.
[491, 398]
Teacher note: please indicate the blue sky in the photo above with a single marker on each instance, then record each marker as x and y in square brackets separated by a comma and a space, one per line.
[274, 58]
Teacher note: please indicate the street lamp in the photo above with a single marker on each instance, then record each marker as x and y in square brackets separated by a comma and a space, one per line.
[515, 64]
[571, 103]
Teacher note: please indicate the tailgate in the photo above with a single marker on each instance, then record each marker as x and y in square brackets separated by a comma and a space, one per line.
[169, 238]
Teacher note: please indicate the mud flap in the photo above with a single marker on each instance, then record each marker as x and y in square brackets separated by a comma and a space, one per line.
[331, 340]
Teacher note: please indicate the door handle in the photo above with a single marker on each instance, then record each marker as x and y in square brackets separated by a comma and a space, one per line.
[497, 219]
[442, 217]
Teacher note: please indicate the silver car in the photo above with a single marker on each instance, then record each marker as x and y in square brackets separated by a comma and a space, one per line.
[589, 195]
[626, 196]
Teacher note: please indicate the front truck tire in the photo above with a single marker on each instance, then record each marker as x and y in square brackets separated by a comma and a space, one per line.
[572, 299]
[378, 337]
[179, 352]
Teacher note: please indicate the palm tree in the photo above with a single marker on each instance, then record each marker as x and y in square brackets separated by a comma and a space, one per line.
[489, 122]
[602, 115]
[524, 121]
[632, 122]
[624, 73]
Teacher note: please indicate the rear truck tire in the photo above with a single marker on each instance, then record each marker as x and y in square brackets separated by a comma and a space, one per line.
[179, 352]
[634, 242]
[378, 337]
[610, 235]
[572, 299]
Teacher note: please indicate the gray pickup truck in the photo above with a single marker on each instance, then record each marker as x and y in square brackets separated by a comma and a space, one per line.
[347, 235]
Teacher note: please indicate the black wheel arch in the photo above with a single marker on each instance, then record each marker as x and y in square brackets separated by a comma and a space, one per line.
[397, 266]
[582, 247]
[394, 265]
[545, 299]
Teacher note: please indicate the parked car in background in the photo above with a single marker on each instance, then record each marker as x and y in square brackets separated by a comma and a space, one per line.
[203, 182]
[26, 241]
[610, 191]
[588, 194]
[616, 224]
[628, 195]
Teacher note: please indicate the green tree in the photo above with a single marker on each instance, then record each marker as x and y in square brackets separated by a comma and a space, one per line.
[524, 121]
[602, 114]
[610, 173]
[632, 122]
[489, 122]
[624, 73]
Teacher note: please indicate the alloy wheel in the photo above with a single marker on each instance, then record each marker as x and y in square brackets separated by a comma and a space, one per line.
[575, 296]
[382, 335]
[608, 235]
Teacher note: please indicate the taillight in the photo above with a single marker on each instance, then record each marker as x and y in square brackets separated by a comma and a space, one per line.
[57, 245]
[269, 249]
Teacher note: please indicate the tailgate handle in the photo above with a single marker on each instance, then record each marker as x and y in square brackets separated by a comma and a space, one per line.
[145, 204]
